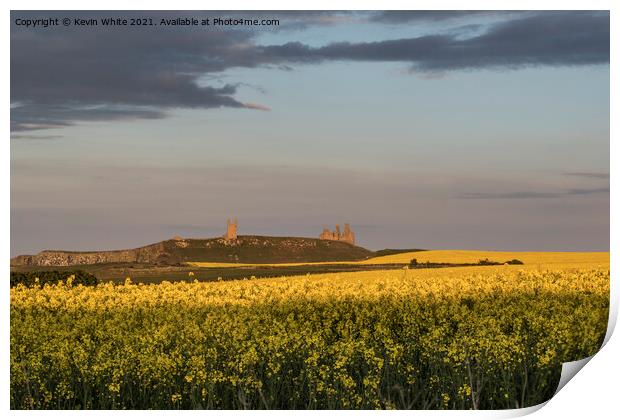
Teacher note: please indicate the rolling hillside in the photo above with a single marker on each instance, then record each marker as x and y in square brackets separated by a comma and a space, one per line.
[246, 249]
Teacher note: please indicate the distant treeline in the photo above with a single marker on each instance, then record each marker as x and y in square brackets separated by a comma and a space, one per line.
[415, 264]
[41, 278]
[390, 251]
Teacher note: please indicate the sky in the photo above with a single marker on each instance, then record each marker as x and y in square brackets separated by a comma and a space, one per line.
[427, 129]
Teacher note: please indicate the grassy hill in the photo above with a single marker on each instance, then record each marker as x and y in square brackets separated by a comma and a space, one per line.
[265, 249]
[246, 249]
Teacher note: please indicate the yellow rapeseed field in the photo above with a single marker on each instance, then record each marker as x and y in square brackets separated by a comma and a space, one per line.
[463, 337]
[546, 259]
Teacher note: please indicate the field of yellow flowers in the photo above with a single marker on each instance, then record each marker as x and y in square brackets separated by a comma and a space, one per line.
[539, 259]
[458, 338]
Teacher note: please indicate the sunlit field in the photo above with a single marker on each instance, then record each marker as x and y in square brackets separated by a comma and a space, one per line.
[546, 259]
[447, 338]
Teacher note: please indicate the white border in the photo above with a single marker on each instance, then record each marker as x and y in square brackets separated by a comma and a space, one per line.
[593, 394]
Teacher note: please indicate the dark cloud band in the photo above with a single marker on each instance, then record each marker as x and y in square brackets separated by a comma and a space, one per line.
[533, 194]
[62, 76]
[552, 38]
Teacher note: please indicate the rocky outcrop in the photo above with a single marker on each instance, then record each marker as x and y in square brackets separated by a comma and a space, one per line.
[148, 254]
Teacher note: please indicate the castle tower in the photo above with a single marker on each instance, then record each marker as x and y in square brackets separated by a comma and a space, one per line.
[231, 230]
[326, 234]
[346, 235]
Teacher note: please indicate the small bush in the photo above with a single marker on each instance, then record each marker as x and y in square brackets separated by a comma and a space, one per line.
[41, 278]
[514, 262]
[486, 261]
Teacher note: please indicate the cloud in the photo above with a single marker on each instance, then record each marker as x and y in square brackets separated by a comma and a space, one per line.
[551, 38]
[259, 107]
[408, 16]
[587, 191]
[19, 124]
[34, 137]
[594, 175]
[61, 76]
[32, 116]
[532, 194]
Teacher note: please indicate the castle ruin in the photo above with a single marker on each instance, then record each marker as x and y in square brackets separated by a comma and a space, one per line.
[335, 235]
[231, 230]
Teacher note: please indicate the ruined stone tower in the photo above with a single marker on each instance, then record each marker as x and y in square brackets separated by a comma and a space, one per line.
[345, 236]
[348, 235]
[231, 230]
